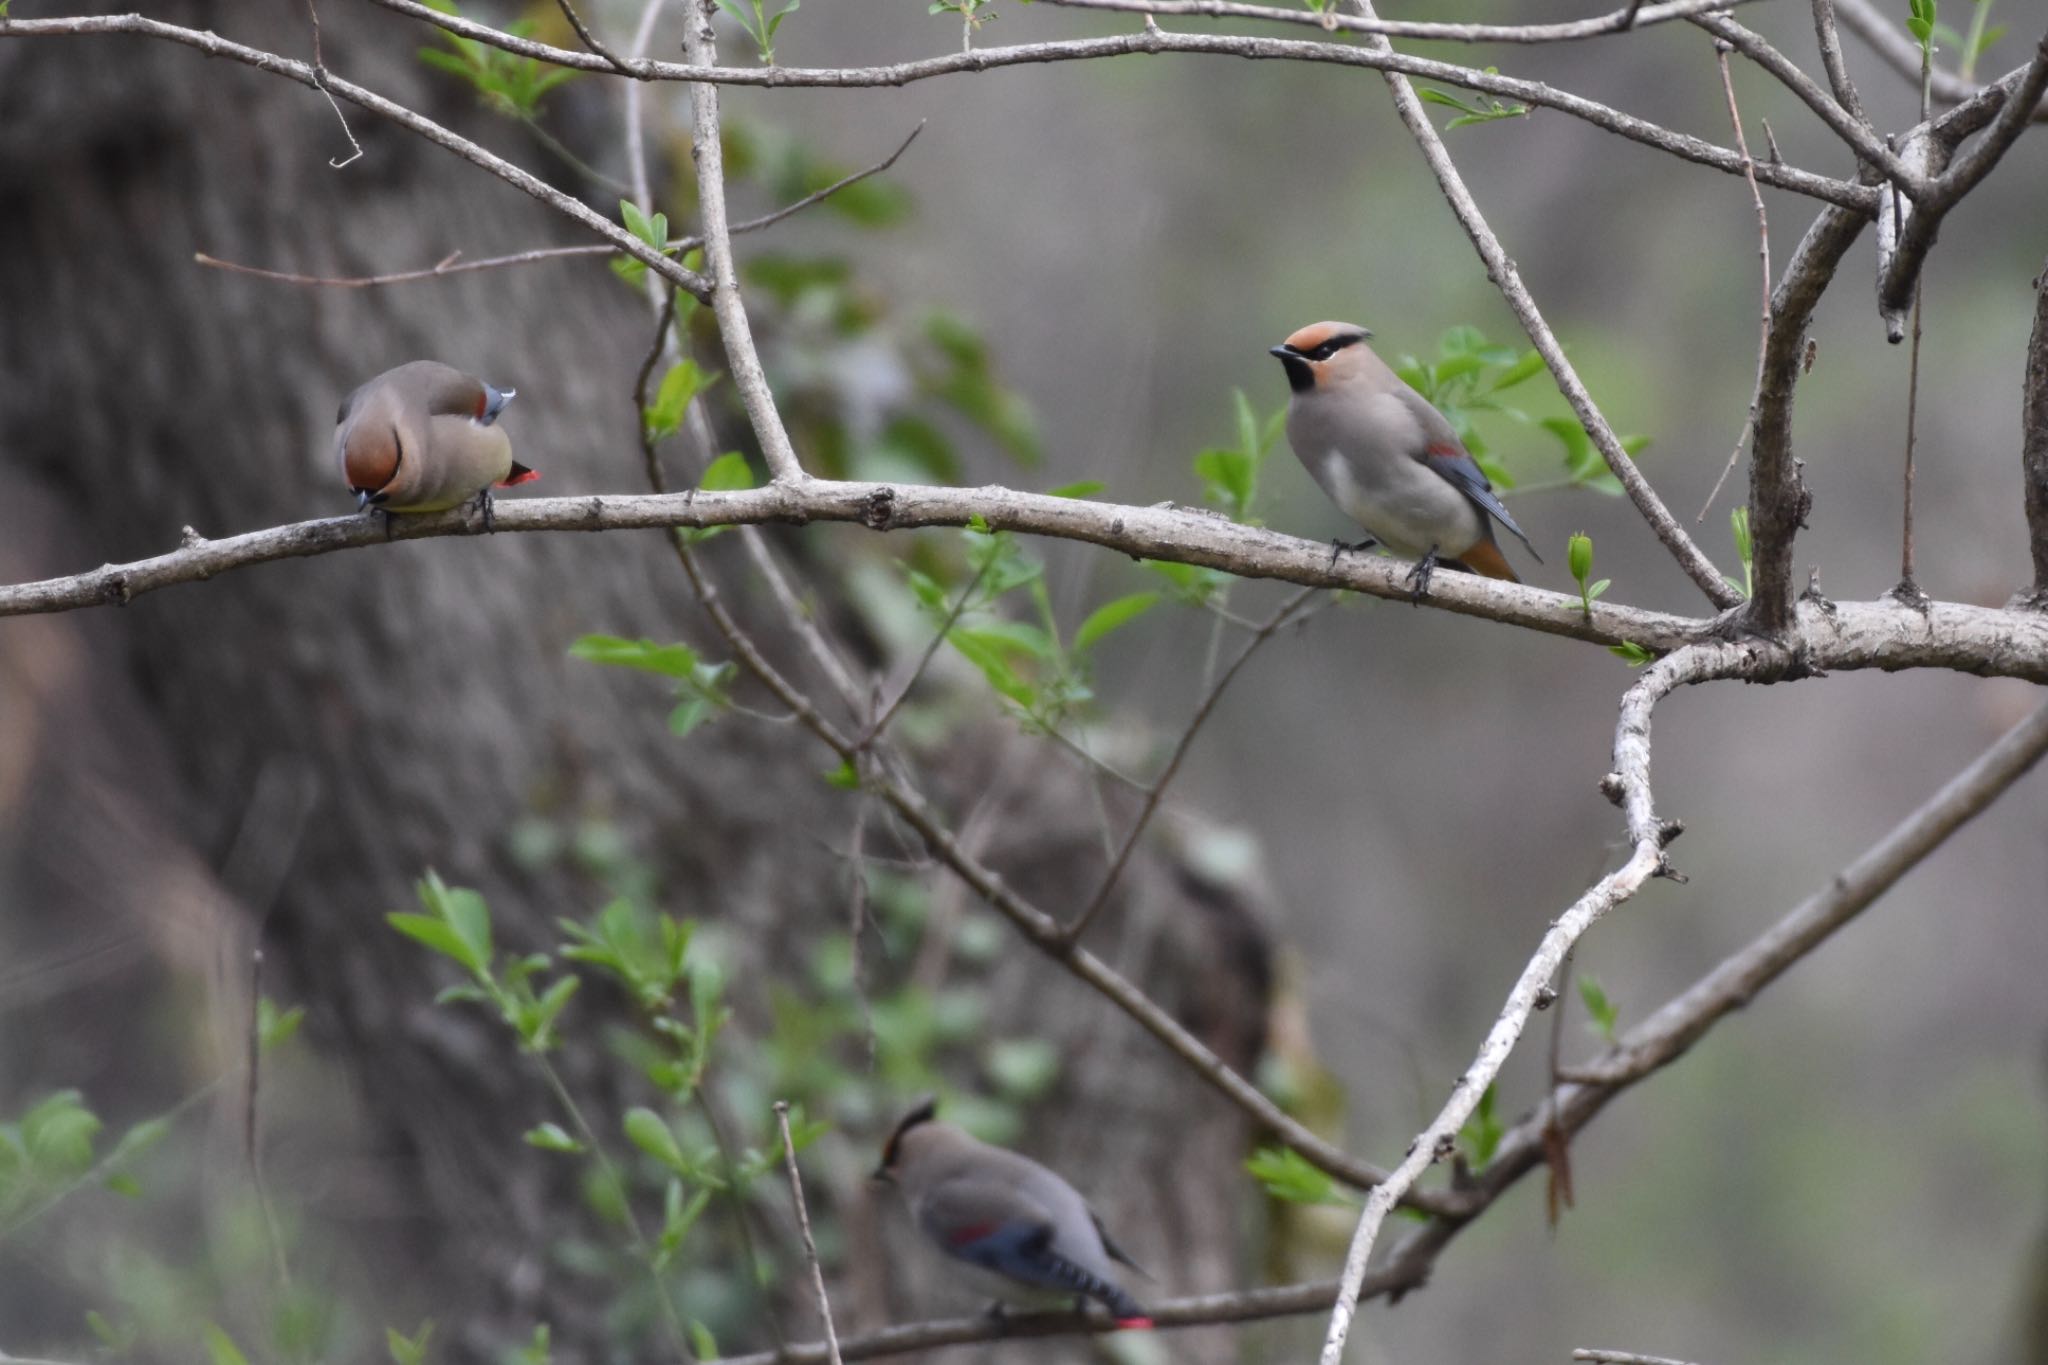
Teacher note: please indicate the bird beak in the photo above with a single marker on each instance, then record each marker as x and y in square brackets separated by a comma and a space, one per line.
[362, 499]
[1284, 351]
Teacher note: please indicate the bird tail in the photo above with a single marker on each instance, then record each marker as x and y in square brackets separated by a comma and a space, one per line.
[520, 474]
[1127, 1311]
[1486, 560]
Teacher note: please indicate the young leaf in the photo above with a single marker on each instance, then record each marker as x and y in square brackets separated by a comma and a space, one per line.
[221, 1347]
[1111, 615]
[1287, 1176]
[551, 1137]
[647, 1131]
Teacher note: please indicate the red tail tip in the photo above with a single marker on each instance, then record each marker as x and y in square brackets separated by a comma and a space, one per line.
[520, 474]
[1134, 1324]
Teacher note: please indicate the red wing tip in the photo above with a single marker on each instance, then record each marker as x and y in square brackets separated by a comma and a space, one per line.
[518, 476]
[1135, 1324]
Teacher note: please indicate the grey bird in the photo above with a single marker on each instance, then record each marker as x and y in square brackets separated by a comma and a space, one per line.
[425, 437]
[1028, 1232]
[1388, 459]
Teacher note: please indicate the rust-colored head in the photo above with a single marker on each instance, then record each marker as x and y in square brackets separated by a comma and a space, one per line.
[372, 453]
[1305, 353]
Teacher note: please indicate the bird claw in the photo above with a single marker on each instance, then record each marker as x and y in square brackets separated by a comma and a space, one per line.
[1419, 576]
[484, 506]
[1338, 547]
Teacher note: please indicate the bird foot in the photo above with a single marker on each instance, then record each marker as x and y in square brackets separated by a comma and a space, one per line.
[1338, 547]
[999, 1314]
[484, 507]
[1419, 576]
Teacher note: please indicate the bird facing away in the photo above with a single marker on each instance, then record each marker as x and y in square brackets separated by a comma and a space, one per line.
[1388, 459]
[1029, 1232]
[423, 438]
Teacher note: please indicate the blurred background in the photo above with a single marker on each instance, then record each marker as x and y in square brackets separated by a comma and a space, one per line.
[1064, 279]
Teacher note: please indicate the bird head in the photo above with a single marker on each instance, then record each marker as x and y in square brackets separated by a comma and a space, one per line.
[893, 1152]
[1308, 355]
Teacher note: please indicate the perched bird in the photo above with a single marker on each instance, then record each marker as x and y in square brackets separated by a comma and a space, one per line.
[1029, 1231]
[424, 437]
[1389, 459]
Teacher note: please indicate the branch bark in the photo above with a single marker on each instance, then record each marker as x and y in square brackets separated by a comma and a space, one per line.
[1620, 21]
[2034, 439]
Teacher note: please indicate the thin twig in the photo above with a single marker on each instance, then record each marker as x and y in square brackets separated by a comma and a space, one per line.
[320, 81]
[1622, 1358]
[1859, 135]
[803, 1223]
[590, 39]
[1763, 233]
[1079, 924]
[1909, 587]
[2034, 438]
[1888, 38]
[1832, 61]
[451, 264]
[881, 723]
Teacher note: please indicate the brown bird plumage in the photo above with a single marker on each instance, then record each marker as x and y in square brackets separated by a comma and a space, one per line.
[423, 438]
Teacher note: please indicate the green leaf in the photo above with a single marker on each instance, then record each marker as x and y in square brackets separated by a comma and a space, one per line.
[1112, 615]
[1529, 366]
[273, 1029]
[58, 1134]
[552, 1137]
[408, 1350]
[1579, 556]
[729, 473]
[1085, 488]
[1483, 1131]
[1602, 1011]
[1228, 478]
[647, 1130]
[1287, 1175]
[221, 1347]
[125, 1185]
[683, 382]
[1631, 653]
[845, 777]
[434, 934]
[1022, 1069]
[139, 1139]
[671, 661]
[702, 1342]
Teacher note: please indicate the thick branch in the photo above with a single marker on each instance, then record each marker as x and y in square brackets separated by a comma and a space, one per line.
[1156, 41]
[1851, 128]
[1778, 500]
[2034, 438]
[1846, 635]
[1620, 21]
[1508, 280]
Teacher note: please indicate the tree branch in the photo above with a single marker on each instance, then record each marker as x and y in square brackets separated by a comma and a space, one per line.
[2034, 438]
[1847, 126]
[1902, 54]
[1620, 21]
[1778, 500]
[1831, 59]
[1600, 1357]
[1508, 280]
[1153, 41]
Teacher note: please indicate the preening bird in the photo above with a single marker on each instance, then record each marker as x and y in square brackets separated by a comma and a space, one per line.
[424, 437]
[1387, 458]
[1025, 1229]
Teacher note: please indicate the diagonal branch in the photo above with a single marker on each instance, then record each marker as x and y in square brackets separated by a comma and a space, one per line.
[1847, 126]
[1831, 59]
[2034, 439]
[1637, 15]
[1902, 54]
[1508, 280]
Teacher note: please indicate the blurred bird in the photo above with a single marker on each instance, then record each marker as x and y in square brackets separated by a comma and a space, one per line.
[1389, 459]
[423, 438]
[1027, 1233]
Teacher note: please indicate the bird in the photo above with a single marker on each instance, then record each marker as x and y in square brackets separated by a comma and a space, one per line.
[1388, 459]
[423, 438]
[1028, 1233]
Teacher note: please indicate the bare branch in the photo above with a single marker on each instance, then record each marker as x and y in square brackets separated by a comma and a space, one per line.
[1851, 129]
[1634, 15]
[1831, 59]
[1157, 791]
[216, 46]
[589, 39]
[1630, 782]
[1778, 500]
[2034, 438]
[700, 46]
[1502, 271]
[1155, 40]
[1902, 54]
[451, 264]
[803, 1223]
[355, 151]
[1763, 232]
[1622, 1358]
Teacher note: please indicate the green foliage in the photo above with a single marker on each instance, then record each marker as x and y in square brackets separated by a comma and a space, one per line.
[679, 387]
[1745, 550]
[510, 84]
[1483, 109]
[653, 231]
[958, 371]
[1579, 556]
[703, 689]
[1230, 476]
[1921, 24]
[408, 1350]
[1631, 653]
[1482, 1132]
[752, 16]
[974, 13]
[1600, 1011]
[1973, 45]
[221, 1348]
[1288, 1176]
[457, 925]
[539, 1349]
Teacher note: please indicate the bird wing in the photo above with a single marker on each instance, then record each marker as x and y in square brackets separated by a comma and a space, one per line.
[1445, 454]
[1003, 1229]
[1116, 1253]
